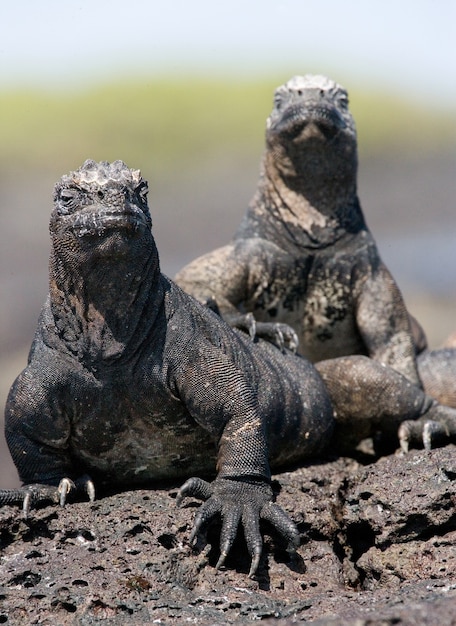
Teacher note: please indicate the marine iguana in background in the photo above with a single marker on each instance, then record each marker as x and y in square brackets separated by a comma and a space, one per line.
[303, 255]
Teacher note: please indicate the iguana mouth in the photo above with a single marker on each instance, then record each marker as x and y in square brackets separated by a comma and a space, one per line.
[99, 221]
[297, 117]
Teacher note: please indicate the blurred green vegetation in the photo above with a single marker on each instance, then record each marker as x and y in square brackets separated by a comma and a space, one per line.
[160, 125]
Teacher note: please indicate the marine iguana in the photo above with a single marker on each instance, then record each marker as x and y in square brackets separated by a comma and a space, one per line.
[303, 265]
[130, 380]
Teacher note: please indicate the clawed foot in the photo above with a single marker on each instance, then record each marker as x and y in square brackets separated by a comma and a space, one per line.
[280, 335]
[436, 428]
[238, 501]
[31, 494]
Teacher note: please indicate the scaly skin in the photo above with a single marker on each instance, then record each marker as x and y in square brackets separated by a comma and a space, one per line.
[130, 380]
[303, 267]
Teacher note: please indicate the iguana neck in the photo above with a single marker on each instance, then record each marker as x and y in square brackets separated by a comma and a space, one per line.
[103, 310]
[310, 211]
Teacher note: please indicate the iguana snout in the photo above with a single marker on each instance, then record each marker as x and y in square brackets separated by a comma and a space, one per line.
[98, 220]
[297, 117]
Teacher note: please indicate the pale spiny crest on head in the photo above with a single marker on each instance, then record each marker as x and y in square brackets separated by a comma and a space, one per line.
[311, 81]
[102, 173]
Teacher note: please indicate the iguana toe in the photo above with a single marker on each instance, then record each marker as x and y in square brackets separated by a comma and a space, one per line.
[207, 511]
[196, 487]
[246, 323]
[228, 533]
[251, 523]
[277, 517]
[64, 488]
[404, 435]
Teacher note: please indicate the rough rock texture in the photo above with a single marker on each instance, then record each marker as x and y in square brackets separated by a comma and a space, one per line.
[378, 548]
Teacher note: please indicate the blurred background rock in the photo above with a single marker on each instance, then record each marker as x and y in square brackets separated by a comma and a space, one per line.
[182, 90]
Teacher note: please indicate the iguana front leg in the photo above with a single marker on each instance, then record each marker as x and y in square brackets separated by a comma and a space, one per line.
[437, 370]
[225, 280]
[369, 398]
[241, 494]
[37, 433]
[384, 324]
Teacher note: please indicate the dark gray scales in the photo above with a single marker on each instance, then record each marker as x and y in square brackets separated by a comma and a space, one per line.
[303, 267]
[130, 380]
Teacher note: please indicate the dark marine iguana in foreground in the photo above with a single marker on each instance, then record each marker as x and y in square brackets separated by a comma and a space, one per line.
[303, 255]
[131, 380]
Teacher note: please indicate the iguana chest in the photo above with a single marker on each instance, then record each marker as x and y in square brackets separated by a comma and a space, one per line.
[316, 296]
[134, 431]
[328, 327]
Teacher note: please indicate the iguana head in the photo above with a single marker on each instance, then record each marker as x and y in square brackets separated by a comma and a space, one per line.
[310, 129]
[100, 201]
[104, 264]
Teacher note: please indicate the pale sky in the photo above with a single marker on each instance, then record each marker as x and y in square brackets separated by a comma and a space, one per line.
[406, 45]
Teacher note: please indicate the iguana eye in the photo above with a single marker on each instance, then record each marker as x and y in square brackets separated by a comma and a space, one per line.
[66, 197]
[278, 102]
[142, 192]
[68, 200]
[343, 101]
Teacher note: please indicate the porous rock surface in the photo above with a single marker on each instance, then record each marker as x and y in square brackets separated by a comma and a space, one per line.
[378, 548]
